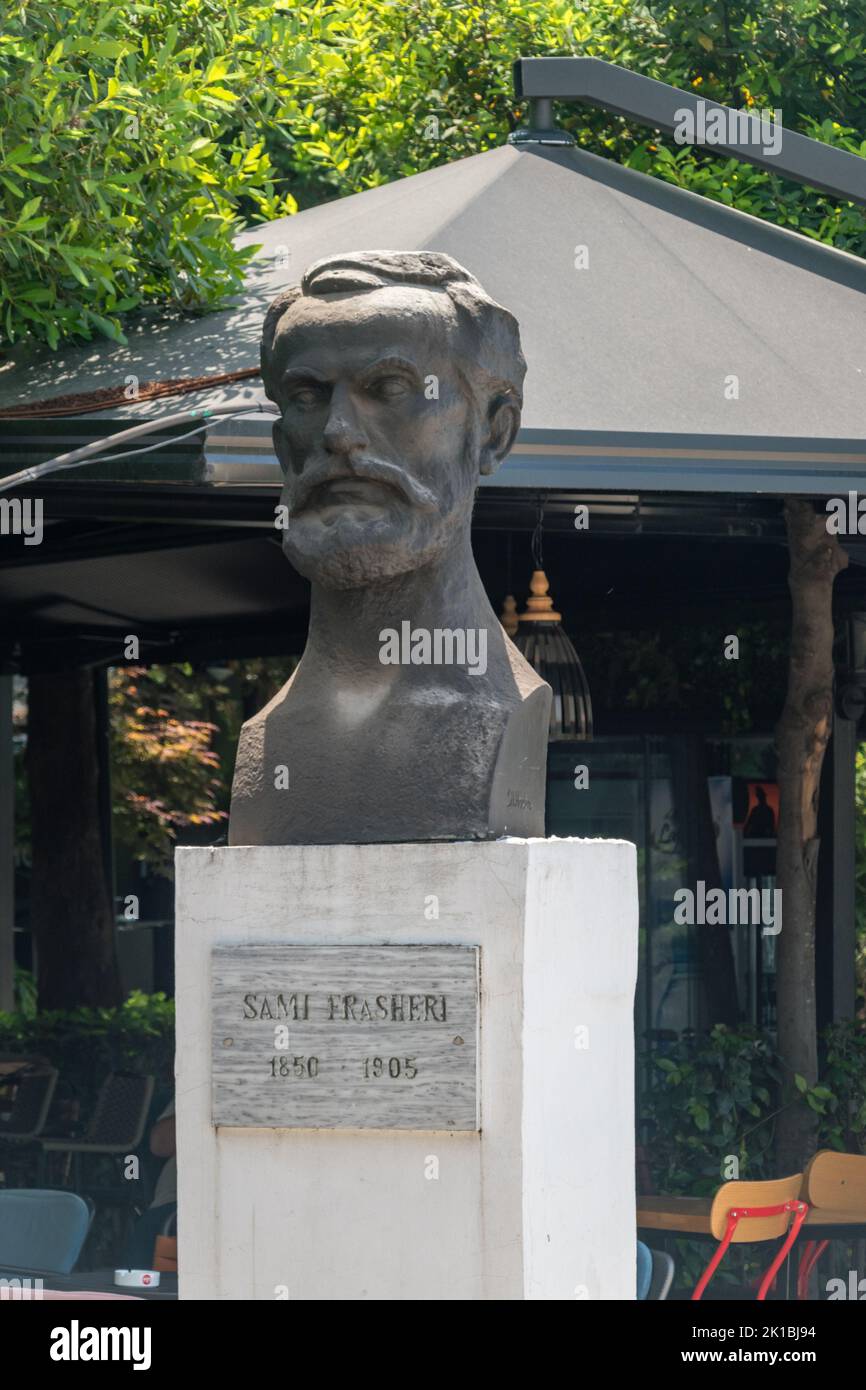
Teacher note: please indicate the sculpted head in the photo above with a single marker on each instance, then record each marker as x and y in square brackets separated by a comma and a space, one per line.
[399, 382]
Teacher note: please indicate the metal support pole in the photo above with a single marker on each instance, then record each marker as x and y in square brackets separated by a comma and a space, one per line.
[541, 114]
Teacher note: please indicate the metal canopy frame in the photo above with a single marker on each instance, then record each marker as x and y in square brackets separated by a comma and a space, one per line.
[659, 105]
[239, 454]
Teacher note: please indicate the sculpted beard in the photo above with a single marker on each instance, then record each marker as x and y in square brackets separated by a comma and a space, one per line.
[350, 552]
[414, 525]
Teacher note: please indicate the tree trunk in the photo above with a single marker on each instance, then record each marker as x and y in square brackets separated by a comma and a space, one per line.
[71, 913]
[802, 734]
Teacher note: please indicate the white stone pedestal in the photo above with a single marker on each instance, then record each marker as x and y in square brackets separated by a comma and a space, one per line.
[539, 1202]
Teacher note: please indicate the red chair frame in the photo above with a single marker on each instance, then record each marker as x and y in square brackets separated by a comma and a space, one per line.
[738, 1214]
[812, 1252]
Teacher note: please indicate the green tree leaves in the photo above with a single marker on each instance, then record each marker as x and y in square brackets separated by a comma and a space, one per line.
[134, 126]
[138, 122]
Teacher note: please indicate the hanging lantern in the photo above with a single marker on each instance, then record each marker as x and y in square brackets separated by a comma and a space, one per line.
[509, 617]
[543, 641]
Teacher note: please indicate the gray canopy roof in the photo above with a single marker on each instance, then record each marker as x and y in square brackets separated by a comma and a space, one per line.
[631, 358]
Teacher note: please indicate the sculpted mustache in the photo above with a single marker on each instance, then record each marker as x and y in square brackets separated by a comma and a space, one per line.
[377, 470]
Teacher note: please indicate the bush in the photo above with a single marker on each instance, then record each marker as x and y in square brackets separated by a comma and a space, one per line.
[716, 1097]
[86, 1044]
[713, 1099]
[842, 1095]
[129, 141]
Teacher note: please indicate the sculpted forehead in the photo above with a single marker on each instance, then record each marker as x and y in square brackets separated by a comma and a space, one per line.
[332, 324]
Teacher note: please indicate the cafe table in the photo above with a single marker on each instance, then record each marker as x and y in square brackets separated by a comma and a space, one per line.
[100, 1281]
[688, 1218]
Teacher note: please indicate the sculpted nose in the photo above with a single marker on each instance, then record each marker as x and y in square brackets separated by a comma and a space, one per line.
[343, 432]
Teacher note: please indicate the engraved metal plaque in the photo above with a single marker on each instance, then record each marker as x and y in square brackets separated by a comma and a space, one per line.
[345, 1037]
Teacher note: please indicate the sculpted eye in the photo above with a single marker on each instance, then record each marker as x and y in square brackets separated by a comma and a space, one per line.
[306, 397]
[389, 388]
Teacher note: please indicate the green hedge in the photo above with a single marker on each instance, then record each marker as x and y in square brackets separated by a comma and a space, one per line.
[86, 1044]
[715, 1097]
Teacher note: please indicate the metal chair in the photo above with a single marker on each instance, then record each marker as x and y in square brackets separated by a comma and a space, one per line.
[42, 1229]
[751, 1212]
[118, 1120]
[644, 1270]
[834, 1185]
[34, 1086]
[662, 1277]
[23, 1116]
[655, 1274]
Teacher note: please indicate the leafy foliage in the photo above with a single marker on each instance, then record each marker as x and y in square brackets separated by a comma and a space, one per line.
[713, 1099]
[174, 732]
[25, 992]
[86, 1044]
[676, 666]
[716, 1096]
[137, 139]
[129, 138]
[162, 759]
[840, 1098]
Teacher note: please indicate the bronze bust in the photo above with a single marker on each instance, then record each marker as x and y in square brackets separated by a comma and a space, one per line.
[411, 715]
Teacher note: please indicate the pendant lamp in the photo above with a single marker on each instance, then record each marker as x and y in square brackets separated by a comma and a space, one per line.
[543, 641]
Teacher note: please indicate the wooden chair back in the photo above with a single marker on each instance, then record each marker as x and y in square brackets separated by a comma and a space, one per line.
[165, 1254]
[836, 1182]
[754, 1194]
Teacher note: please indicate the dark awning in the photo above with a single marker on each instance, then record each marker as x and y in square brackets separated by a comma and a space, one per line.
[629, 358]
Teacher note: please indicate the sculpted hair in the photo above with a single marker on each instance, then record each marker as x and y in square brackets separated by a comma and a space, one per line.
[496, 364]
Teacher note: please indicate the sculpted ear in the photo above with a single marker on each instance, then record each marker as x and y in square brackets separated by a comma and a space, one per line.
[281, 445]
[503, 422]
